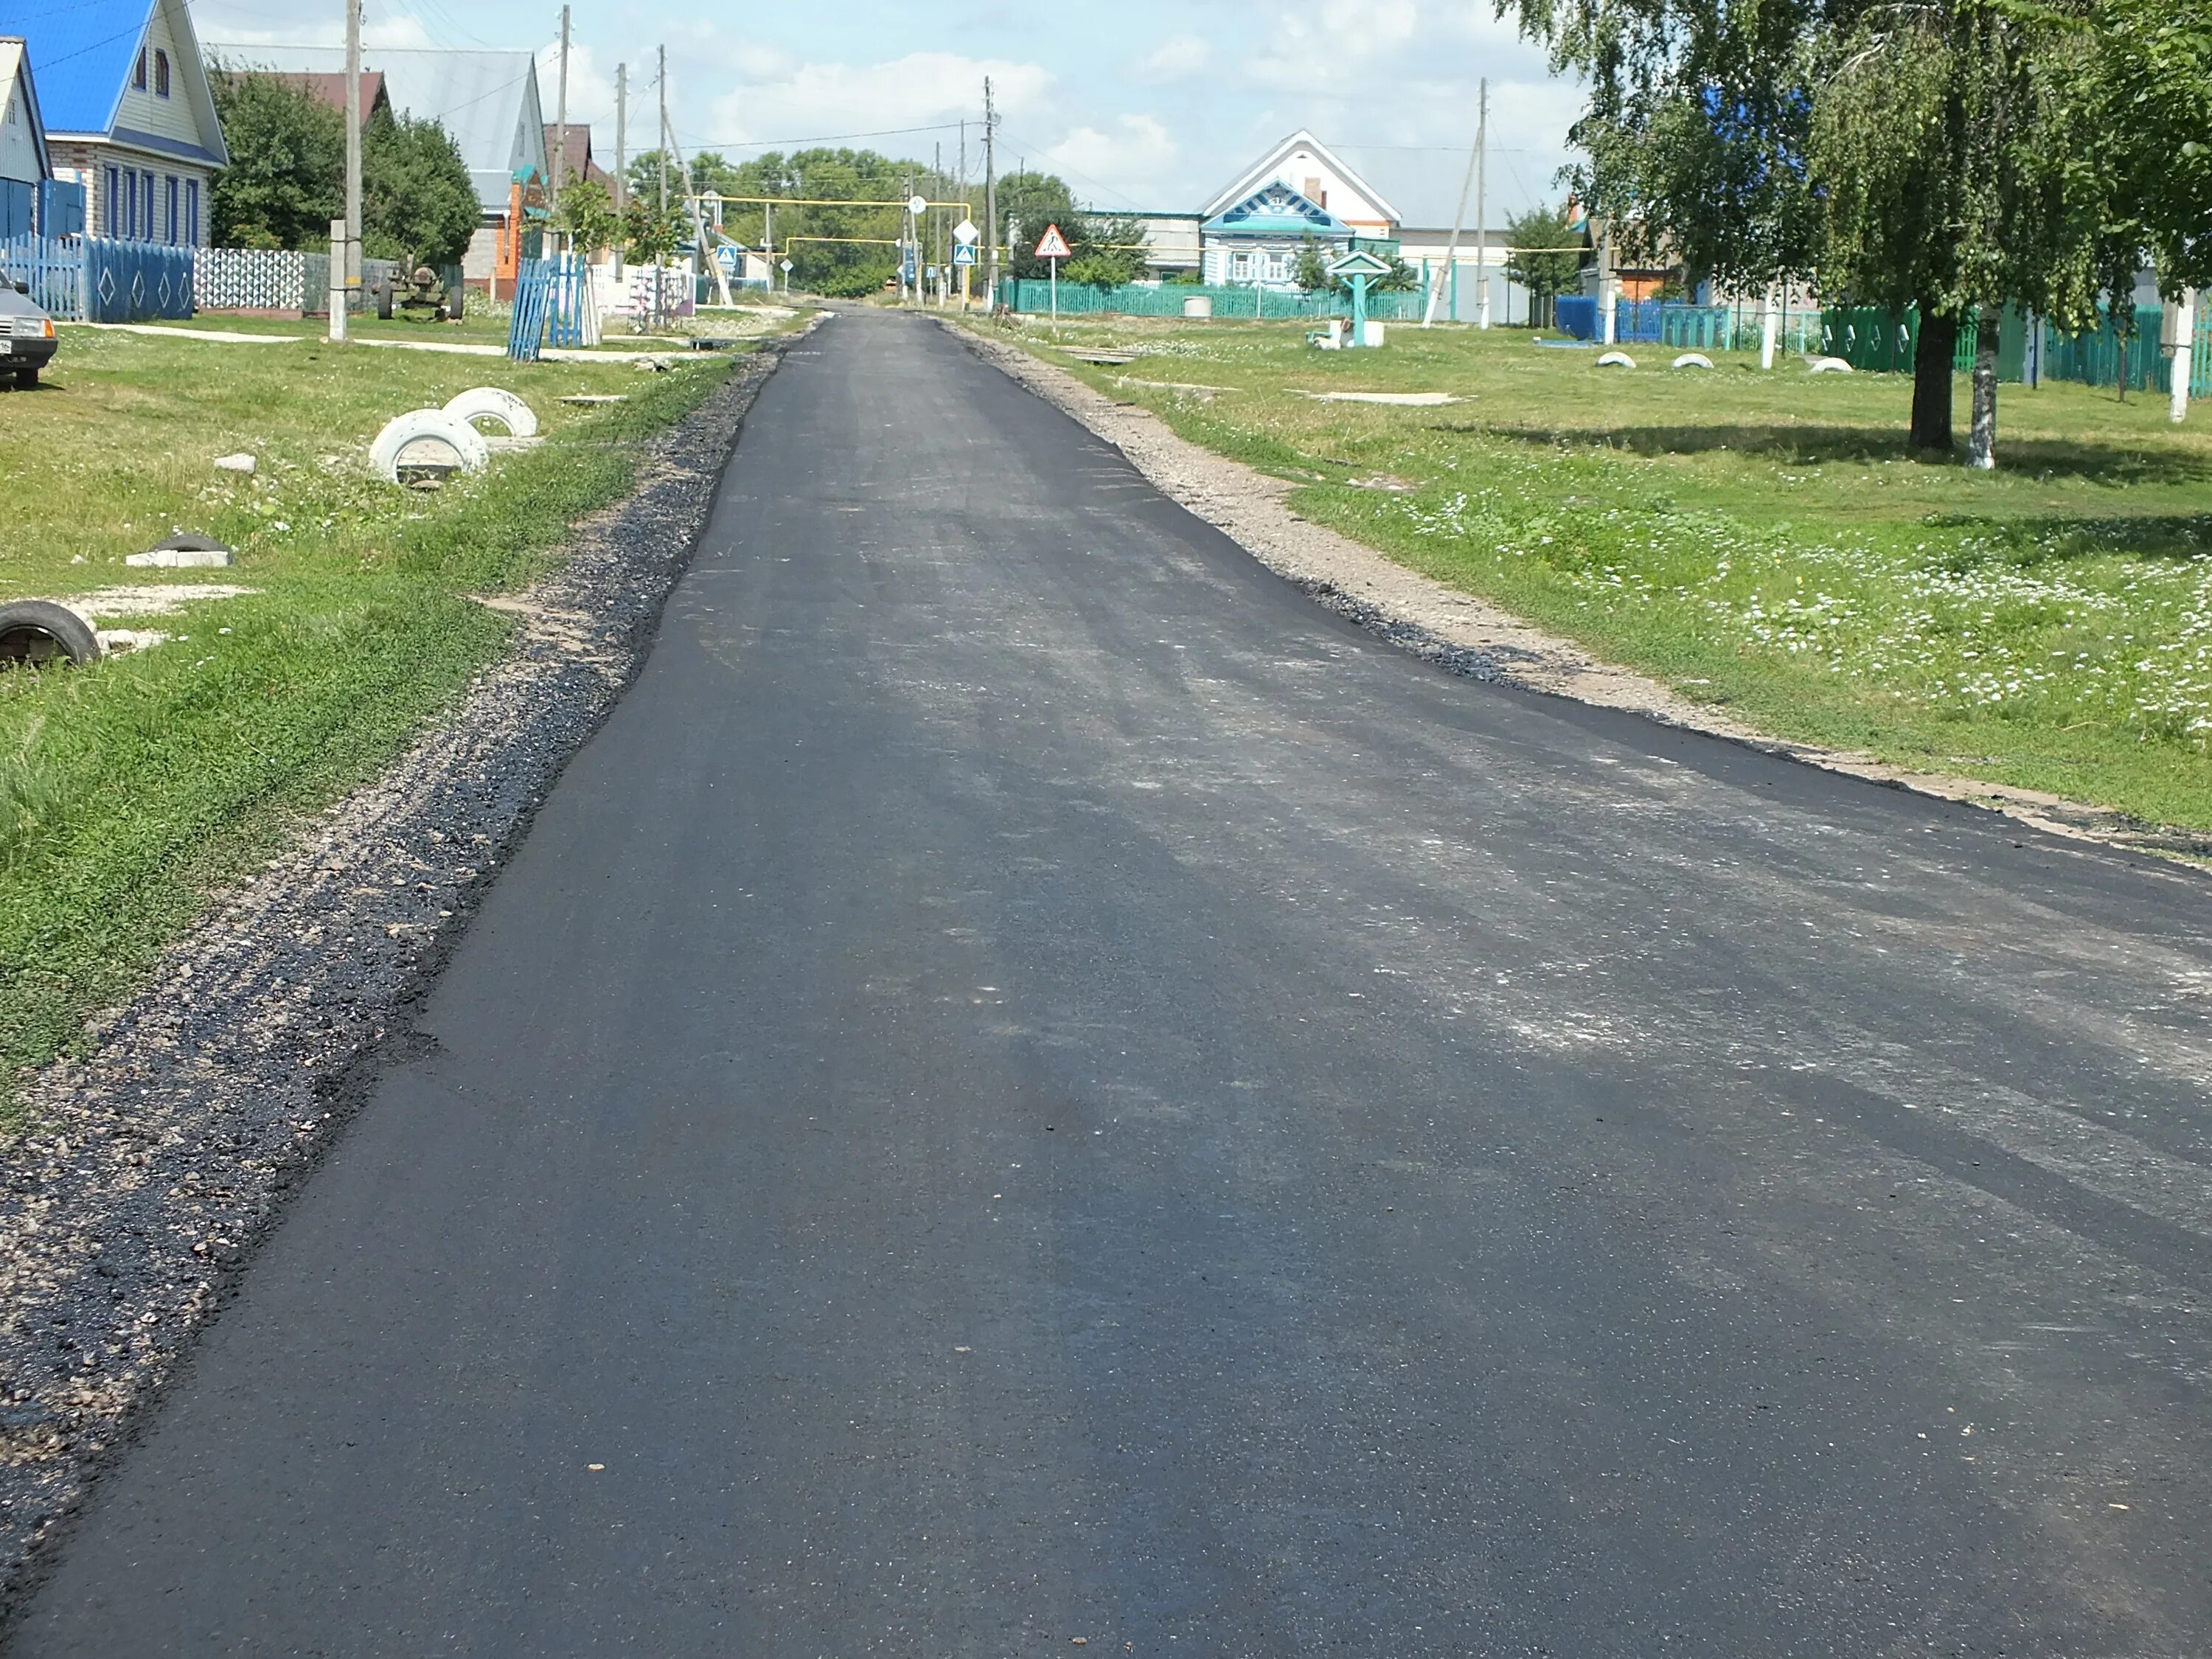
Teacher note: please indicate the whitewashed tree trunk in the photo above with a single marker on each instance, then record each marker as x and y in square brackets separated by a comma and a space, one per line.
[1770, 327]
[1982, 443]
[2185, 340]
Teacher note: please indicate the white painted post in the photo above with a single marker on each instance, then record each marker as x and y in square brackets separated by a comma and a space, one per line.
[2185, 342]
[338, 262]
[1769, 326]
[1608, 293]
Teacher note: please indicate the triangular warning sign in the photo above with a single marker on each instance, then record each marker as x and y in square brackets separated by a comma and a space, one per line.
[1054, 245]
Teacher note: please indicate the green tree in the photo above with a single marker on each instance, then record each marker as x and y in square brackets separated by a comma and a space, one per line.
[1312, 272]
[2148, 89]
[1544, 257]
[587, 212]
[417, 201]
[285, 181]
[1919, 153]
[650, 234]
[1102, 249]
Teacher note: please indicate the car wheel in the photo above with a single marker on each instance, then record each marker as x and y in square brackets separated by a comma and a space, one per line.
[39, 631]
[26, 378]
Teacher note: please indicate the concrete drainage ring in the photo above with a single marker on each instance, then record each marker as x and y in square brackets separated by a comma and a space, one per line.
[35, 632]
[433, 429]
[492, 403]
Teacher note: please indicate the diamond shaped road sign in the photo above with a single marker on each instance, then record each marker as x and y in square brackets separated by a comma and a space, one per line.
[965, 231]
[1053, 246]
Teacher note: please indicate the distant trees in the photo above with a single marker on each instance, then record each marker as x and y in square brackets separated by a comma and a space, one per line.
[1106, 249]
[1958, 155]
[1544, 255]
[286, 180]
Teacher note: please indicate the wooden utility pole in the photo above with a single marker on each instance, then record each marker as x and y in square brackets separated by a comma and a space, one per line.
[990, 196]
[561, 120]
[663, 79]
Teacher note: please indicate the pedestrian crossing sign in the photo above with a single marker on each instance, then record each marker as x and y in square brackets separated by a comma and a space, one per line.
[1054, 245]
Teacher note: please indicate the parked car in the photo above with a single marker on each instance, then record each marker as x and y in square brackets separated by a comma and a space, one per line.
[26, 337]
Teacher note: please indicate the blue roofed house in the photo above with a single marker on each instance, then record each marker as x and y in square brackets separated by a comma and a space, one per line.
[24, 167]
[128, 113]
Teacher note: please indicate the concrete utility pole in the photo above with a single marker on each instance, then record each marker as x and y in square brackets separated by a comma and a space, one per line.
[663, 80]
[1481, 209]
[622, 158]
[561, 120]
[345, 265]
[1451, 272]
[990, 196]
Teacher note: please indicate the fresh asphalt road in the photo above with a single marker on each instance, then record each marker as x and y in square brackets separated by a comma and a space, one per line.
[1031, 1084]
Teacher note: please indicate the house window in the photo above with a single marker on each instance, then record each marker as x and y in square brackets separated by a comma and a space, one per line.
[1240, 266]
[146, 232]
[191, 213]
[138, 72]
[172, 182]
[112, 215]
[161, 73]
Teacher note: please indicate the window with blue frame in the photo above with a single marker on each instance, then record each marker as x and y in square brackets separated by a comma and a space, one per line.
[146, 229]
[170, 181]
[191, 213]
[112, 212]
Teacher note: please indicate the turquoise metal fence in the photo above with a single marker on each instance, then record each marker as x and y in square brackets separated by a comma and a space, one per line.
[1141, 300]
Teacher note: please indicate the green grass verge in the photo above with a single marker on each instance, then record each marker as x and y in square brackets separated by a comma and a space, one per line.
[129, 790]
[1762, 540]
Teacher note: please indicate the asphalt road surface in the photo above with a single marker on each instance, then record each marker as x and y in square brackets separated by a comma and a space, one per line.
[1032, 1086]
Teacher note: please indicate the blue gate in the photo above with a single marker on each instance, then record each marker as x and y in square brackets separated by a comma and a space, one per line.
[53, 269]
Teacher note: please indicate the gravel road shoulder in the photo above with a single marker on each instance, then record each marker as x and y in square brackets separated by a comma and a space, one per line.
[1469, 635]
[148, 1171]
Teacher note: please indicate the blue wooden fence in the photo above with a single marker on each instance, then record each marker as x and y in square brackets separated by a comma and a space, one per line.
[93, 280]
[1166, 299]
[550, 297]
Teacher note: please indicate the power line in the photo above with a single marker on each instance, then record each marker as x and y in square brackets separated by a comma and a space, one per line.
[819, 138]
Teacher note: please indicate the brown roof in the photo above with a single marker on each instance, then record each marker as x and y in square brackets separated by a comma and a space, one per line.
[580, 164]
[331, 88]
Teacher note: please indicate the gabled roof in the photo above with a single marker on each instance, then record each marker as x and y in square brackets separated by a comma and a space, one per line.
[1276, 210]
[15, 70]
[1268, 165]
[582, 164]
[330, 89]
[85, 51]
[488, 100]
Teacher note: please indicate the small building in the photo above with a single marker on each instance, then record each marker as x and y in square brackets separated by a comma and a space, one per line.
[1258, 239]
[25, 167]
[127, 115]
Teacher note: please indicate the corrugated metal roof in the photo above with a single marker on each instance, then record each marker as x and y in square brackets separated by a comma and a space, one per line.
[488, 100]
[81, 51]
[15, 67]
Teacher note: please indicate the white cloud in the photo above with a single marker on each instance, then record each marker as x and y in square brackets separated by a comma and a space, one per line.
[798, 100]
[1178, 58]
[1134, 161]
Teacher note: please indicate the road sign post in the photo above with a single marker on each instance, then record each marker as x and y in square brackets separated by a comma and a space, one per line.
[1052, 248]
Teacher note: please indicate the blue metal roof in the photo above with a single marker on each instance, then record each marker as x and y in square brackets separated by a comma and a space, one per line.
[83, 52]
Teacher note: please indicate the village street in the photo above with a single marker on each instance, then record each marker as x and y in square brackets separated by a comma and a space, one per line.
[1034, 1086]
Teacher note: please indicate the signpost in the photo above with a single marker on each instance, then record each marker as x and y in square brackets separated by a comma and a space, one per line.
[1052, 248]
[1357, 266]
[786, 275]
[963, 254]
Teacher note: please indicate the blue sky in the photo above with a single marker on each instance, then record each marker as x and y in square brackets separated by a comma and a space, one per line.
[1139, 103]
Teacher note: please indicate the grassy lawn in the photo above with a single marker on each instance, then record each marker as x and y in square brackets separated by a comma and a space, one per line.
[128, 789]
[1761, 540]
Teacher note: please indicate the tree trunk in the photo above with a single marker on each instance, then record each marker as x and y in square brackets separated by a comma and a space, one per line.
[1981, 444]
[1932, 352]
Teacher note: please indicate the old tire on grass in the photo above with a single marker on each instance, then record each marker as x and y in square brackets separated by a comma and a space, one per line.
[1616, 360]
[35, 632]
[428, 426]
[492, 403]
[1693, 360]
[457, 302]
[382, 292]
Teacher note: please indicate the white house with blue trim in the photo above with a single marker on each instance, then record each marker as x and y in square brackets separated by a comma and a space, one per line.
[1253, 231]
[128, 113]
